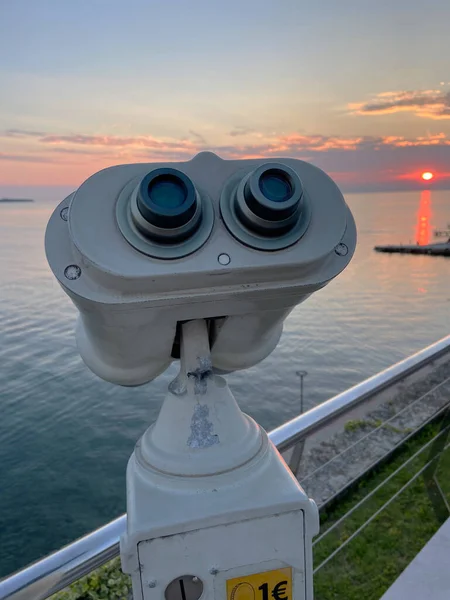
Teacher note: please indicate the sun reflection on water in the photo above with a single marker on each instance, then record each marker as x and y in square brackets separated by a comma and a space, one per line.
[423, 229]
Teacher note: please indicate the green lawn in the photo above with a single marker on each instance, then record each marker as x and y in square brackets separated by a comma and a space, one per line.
[371, 562]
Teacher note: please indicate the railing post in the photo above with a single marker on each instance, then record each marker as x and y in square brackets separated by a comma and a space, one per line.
[294, 463]
[437, 497]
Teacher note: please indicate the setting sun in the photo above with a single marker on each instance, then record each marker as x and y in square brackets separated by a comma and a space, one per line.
[427, 176]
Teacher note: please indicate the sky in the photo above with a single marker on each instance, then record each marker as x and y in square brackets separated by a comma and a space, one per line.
[360, 88]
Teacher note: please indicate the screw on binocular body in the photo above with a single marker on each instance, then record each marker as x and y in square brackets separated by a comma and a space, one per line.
[341, 250]
[72, 272]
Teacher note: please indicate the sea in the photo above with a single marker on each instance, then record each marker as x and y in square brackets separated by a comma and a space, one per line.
[66, 436]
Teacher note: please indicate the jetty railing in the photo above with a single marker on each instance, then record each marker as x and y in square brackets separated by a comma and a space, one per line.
[58, 570]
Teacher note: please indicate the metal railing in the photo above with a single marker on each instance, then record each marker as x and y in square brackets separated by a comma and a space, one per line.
[430, 465]
[56, 571]
[376, 457]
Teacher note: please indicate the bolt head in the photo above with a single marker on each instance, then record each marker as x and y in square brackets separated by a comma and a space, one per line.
[72, 272]
[341, 250]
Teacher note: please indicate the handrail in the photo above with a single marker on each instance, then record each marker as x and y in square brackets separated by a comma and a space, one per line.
[56, 571]
[313, 420]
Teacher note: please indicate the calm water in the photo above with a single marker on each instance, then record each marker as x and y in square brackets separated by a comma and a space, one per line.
[65, 436]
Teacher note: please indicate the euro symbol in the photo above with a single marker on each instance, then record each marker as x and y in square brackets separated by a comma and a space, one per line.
[279, 591]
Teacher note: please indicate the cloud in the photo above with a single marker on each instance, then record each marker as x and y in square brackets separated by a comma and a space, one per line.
[292, 144]
[431, 104]
[26, 158]
[308, 146]
[113, 140]
[438, 139]
[81, 151]
[315, 143]
[356, 162]
[240, 130]
[21, 133]
[288, 144]
[198, 137]
[277, 145]
[127, 146]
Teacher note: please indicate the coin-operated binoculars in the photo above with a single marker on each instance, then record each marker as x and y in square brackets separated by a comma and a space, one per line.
[202, 261]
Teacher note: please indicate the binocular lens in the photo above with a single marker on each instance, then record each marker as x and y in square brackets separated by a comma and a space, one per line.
[167, 199]
[275, 186]
[167, 191]
[167, 207]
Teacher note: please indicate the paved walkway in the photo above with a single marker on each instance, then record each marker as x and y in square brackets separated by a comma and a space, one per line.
[327, 467]
[428, 575]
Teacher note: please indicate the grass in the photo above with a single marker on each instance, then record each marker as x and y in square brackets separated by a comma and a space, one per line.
[371, 562]
[358, 424]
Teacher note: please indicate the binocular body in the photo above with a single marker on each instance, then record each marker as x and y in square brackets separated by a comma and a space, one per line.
[142, 248]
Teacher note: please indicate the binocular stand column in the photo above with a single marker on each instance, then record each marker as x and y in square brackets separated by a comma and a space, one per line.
[212, 509]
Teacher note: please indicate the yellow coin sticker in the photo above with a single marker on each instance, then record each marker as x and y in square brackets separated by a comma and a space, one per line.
[268, 585]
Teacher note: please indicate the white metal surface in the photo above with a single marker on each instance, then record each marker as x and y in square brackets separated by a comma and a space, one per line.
[200, 429]
[217, 554]
[205, 484]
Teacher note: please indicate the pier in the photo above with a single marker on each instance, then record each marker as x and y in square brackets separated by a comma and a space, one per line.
[430, 249]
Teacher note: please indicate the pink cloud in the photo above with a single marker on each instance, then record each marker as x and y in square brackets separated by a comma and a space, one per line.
[115, 141]
[438, 139]
[431, 104]
[355, 160]
[145, 146]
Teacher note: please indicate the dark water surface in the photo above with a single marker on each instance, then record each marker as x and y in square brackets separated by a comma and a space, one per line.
[65, 436]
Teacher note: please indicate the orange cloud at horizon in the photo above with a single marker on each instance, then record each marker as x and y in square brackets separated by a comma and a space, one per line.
[48, 158]
[438, 139]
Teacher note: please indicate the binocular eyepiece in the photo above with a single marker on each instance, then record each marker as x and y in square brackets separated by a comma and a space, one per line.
[262, 208]
[166, 207]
